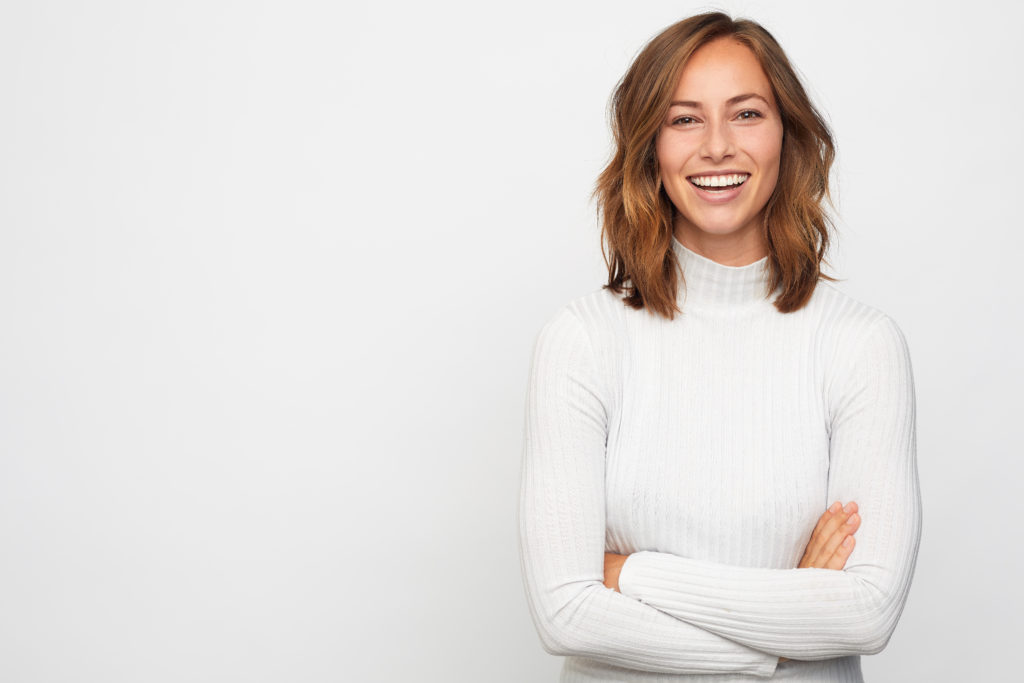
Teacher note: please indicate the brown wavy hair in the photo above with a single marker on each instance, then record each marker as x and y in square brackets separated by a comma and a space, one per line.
[637, 215]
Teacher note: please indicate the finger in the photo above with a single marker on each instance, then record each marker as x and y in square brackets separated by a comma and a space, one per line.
[825, 517]
[821, 550]
[842, 554]
[831, 544]
[814, 543]
[824, 546]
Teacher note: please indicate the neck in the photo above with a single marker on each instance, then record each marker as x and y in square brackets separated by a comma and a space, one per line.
[708, 284]
[739, 248]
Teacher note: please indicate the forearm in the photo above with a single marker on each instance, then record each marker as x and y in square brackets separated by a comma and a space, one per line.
[587, 619]
[804, 614]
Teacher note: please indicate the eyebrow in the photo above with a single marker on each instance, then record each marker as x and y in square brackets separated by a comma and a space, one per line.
[731, 101]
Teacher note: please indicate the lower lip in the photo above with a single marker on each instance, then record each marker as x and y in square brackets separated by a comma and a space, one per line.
[721, 196]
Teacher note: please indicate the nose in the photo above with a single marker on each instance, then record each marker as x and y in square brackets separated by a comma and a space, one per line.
[717, 143]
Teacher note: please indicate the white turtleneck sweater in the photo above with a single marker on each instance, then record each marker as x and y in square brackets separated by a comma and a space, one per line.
[706, 448]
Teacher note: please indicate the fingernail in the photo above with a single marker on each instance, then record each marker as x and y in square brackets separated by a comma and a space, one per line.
[854, 518]
[836, 507]
[848, 508]
[847, 542]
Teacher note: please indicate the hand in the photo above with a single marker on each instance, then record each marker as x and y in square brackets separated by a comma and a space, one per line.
[612, 567]
[832, 540]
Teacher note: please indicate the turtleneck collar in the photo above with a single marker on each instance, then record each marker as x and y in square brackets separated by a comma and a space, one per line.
[709, 284]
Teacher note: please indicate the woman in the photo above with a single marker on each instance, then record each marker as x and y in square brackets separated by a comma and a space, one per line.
[689, 424]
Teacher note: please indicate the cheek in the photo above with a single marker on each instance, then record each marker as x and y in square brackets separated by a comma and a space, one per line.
[661, 153]
[767, 150]
[671, 151]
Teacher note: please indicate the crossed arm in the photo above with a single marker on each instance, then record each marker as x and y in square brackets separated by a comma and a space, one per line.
[721, 618]
[830, 545]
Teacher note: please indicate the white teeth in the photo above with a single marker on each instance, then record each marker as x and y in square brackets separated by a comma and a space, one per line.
[719, 180]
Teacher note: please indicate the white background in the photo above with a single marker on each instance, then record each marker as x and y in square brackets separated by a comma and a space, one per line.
[270, 275]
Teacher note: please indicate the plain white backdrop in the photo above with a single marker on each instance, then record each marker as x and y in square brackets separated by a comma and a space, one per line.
[270, 276]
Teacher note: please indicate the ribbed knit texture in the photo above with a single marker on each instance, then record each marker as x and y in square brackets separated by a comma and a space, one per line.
[706, 448]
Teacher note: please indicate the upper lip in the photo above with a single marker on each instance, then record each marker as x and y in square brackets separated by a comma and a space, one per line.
[727, 171]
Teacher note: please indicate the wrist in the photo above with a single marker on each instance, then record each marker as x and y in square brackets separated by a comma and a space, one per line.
[613, 564]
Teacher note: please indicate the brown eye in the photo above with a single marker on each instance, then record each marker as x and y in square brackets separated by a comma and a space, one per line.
[684, 120]
[750, 114]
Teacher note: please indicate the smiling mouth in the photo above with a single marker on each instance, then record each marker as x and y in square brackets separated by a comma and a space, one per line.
[718, 183]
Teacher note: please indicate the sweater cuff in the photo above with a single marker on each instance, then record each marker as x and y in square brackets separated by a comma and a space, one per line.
[626, 575]
[656, 578]
[650, 576]
[631, 581]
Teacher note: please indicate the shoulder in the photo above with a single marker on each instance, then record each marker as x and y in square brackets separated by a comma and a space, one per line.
[599, 315]
[866, 344]
[587, 332]
[850, 323]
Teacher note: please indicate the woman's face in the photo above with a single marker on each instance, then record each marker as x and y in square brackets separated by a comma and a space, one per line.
[720, 146]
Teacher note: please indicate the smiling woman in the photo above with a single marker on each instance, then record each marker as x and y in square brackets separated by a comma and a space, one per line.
[705, 97]
[694, 428]
[719, 156]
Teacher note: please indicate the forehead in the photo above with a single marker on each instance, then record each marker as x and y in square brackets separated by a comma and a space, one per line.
[719, 70]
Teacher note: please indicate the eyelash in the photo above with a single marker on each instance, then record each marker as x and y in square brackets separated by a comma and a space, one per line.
[756, 115]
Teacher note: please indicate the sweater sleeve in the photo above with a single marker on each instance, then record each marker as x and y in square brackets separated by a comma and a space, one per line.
[811, 614]
[562, 529]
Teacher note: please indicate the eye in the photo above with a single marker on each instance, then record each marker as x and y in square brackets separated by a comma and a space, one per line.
[683, 120]
[750, 114]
